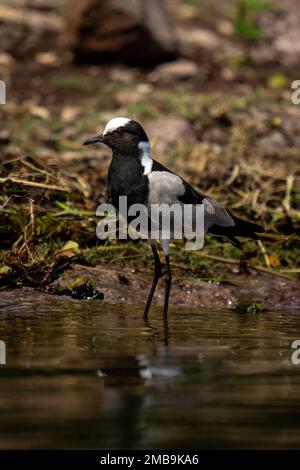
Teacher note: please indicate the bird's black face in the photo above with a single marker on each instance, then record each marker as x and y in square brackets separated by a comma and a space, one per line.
[116, 140]
[121, 134]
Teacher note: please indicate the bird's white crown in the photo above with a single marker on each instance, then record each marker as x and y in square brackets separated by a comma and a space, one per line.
[115, 123]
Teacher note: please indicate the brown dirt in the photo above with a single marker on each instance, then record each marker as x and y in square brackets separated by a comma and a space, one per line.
[123, 285]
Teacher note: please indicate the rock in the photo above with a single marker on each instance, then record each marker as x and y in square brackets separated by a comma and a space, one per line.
[6, 66]
[34, 20]
[48, 58]
[70, 113]
[200, 37]
[215, 135]
[206, 43]
[179, 70]
[138, 94]
[273, 143]
[4, 137]
[123, 98]
[167, 132]
[38, 111]
[24, 29]
[134, 31]
[279, 42]
[121, 74]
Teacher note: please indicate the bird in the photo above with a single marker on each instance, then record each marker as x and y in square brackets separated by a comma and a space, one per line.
[135, 174]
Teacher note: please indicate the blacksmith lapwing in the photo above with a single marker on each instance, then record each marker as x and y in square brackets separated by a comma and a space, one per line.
[133, 173]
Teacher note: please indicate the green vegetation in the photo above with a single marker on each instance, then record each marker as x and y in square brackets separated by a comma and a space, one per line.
[51, 185]
[250, 306]
[246, 15]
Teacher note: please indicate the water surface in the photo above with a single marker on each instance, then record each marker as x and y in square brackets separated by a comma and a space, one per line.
[86, 374]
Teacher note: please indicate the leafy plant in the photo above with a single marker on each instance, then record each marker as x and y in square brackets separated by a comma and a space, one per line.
[246, 16]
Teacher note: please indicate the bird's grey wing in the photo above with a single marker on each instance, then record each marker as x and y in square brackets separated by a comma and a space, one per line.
[216, 214]
[217, 220]
[164, 187]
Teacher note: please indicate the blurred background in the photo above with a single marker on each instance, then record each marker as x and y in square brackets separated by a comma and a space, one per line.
[211, 83]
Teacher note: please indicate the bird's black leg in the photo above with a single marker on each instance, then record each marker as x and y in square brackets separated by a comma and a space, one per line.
[168, 282]
[156, 276]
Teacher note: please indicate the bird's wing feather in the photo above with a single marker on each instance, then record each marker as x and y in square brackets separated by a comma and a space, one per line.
[215, 213]
[217, 220]
[165, 186]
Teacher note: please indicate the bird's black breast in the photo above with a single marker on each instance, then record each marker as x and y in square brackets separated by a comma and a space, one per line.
[126, 178]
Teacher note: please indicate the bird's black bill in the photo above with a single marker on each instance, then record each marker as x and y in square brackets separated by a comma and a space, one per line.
[95, 140]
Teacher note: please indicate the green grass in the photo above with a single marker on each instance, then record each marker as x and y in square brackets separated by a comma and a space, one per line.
[246, 15]
[237, 173]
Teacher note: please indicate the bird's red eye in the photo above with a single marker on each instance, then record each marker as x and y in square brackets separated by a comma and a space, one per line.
[119, 132]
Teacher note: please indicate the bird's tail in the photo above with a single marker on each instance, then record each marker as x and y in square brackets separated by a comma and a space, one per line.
[242, 228]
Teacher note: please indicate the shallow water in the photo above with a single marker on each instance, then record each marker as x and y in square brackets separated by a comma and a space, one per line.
[86, 374]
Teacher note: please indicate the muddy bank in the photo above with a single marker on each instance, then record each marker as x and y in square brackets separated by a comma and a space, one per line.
[132, 285]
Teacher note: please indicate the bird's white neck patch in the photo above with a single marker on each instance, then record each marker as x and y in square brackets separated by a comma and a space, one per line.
[115, 123]
[145, 156]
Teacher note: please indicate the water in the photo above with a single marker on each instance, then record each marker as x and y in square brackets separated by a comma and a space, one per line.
[86, 374]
